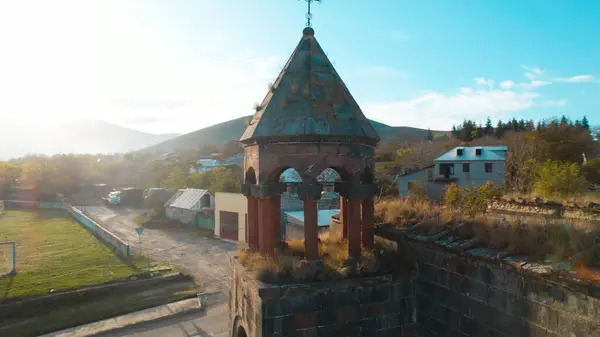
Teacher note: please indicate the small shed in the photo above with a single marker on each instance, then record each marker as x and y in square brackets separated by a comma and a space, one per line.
[187, 205]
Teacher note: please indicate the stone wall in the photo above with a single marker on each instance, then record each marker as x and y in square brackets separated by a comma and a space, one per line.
[367, 307]
[468, 291]
[539, 207]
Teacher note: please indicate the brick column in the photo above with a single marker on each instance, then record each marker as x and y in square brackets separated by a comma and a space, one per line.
[368, 214]
[353, 221]
[275, 211]
[311, 232]
[344, 217]
[252, 231]
[265, 236]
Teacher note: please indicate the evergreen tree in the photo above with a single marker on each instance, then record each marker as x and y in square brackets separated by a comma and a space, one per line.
[489, 130]
[429, 135]
[584, 123]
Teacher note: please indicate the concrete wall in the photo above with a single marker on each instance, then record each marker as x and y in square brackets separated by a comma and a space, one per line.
[231, 202]
[106, 236]
[359, 307]
[100, 232]
[476, 175]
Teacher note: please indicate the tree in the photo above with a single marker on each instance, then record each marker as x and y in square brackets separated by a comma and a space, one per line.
[584, 123]
[429, 135]
[559, 179]
[221, 179]
[489, 129]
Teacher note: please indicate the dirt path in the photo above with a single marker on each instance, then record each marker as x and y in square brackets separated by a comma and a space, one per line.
[185, 247]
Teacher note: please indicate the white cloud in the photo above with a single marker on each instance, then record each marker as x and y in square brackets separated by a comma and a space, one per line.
[440, 111]
[577, 79]
[483, 81]
[508, 84]
[534, 84]
[535, 71]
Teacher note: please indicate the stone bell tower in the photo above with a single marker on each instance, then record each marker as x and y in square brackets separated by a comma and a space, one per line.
[310, 122]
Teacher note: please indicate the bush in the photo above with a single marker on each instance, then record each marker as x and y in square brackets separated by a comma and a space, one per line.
[591, 171]
[471, 200]
[556, 179]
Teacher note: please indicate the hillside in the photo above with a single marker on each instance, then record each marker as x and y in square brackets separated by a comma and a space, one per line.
[20, 138]
[233, 129]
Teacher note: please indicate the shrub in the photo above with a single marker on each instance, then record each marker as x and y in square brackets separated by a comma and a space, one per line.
[556, 179]
[591, 170]
[471, 200]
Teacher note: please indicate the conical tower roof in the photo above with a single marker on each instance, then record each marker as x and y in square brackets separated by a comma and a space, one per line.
[309, 102]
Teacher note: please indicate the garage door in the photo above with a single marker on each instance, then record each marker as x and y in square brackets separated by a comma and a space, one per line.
[229, 225]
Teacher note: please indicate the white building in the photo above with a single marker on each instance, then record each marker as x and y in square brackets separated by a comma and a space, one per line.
[464, 166]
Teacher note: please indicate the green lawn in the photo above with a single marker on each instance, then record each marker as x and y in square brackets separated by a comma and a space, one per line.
[55, 253]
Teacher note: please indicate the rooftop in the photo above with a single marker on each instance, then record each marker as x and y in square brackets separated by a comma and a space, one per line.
[323, 218]
[309, 100]
[186, 198]
[469, 154]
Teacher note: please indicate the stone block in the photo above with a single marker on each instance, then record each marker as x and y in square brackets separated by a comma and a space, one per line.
[305, 320]
[390, 307]
[448, 316]
[346, 314]
[372, 309]
[572, 325]
[497, 298]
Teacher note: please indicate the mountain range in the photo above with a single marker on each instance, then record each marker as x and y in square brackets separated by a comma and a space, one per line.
[20, 138]
[233, 129]
[94, 136]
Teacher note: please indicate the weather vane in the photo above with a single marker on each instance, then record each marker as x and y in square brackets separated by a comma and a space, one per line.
[309, 14]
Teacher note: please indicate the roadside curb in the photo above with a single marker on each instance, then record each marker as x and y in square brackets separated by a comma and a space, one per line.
[192, 305]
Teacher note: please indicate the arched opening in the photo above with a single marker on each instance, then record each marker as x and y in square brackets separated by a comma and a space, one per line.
[291, 178]
[250, 177]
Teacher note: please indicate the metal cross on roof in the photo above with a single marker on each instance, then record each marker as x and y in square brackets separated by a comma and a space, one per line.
[308, 13]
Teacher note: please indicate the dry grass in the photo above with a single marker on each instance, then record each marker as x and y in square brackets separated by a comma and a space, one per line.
[283, 267]
[535, 237]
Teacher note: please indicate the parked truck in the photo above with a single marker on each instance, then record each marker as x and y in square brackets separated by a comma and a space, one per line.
[125, 197]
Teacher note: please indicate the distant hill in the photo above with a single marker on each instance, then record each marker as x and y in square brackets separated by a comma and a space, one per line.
[233, 129]
[21, 138]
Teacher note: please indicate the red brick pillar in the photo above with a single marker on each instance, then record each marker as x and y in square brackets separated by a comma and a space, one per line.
[368, 214]
[311, 231]
[276, 219]
[344, 217]
[252, 229]
[265, 236]
[353, 221]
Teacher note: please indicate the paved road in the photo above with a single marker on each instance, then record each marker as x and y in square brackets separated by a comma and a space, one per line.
[213, 322]
[185, 247]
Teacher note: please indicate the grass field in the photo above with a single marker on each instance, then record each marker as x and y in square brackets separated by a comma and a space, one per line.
[55, 253]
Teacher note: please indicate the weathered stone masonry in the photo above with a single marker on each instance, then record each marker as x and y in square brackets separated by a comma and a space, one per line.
[473, 293]
[366, 307]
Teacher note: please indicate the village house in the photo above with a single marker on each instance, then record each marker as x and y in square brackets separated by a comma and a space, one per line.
[465, 166]
[192, 206]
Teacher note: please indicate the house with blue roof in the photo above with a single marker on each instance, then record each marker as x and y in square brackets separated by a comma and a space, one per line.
[466, 166]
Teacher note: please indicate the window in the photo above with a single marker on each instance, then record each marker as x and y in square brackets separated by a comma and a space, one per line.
[459, 152]
[466, 168]
[488, 168]
[478, 152]
[446, 170]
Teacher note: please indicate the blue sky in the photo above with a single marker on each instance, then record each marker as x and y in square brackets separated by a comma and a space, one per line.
[177, 66]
